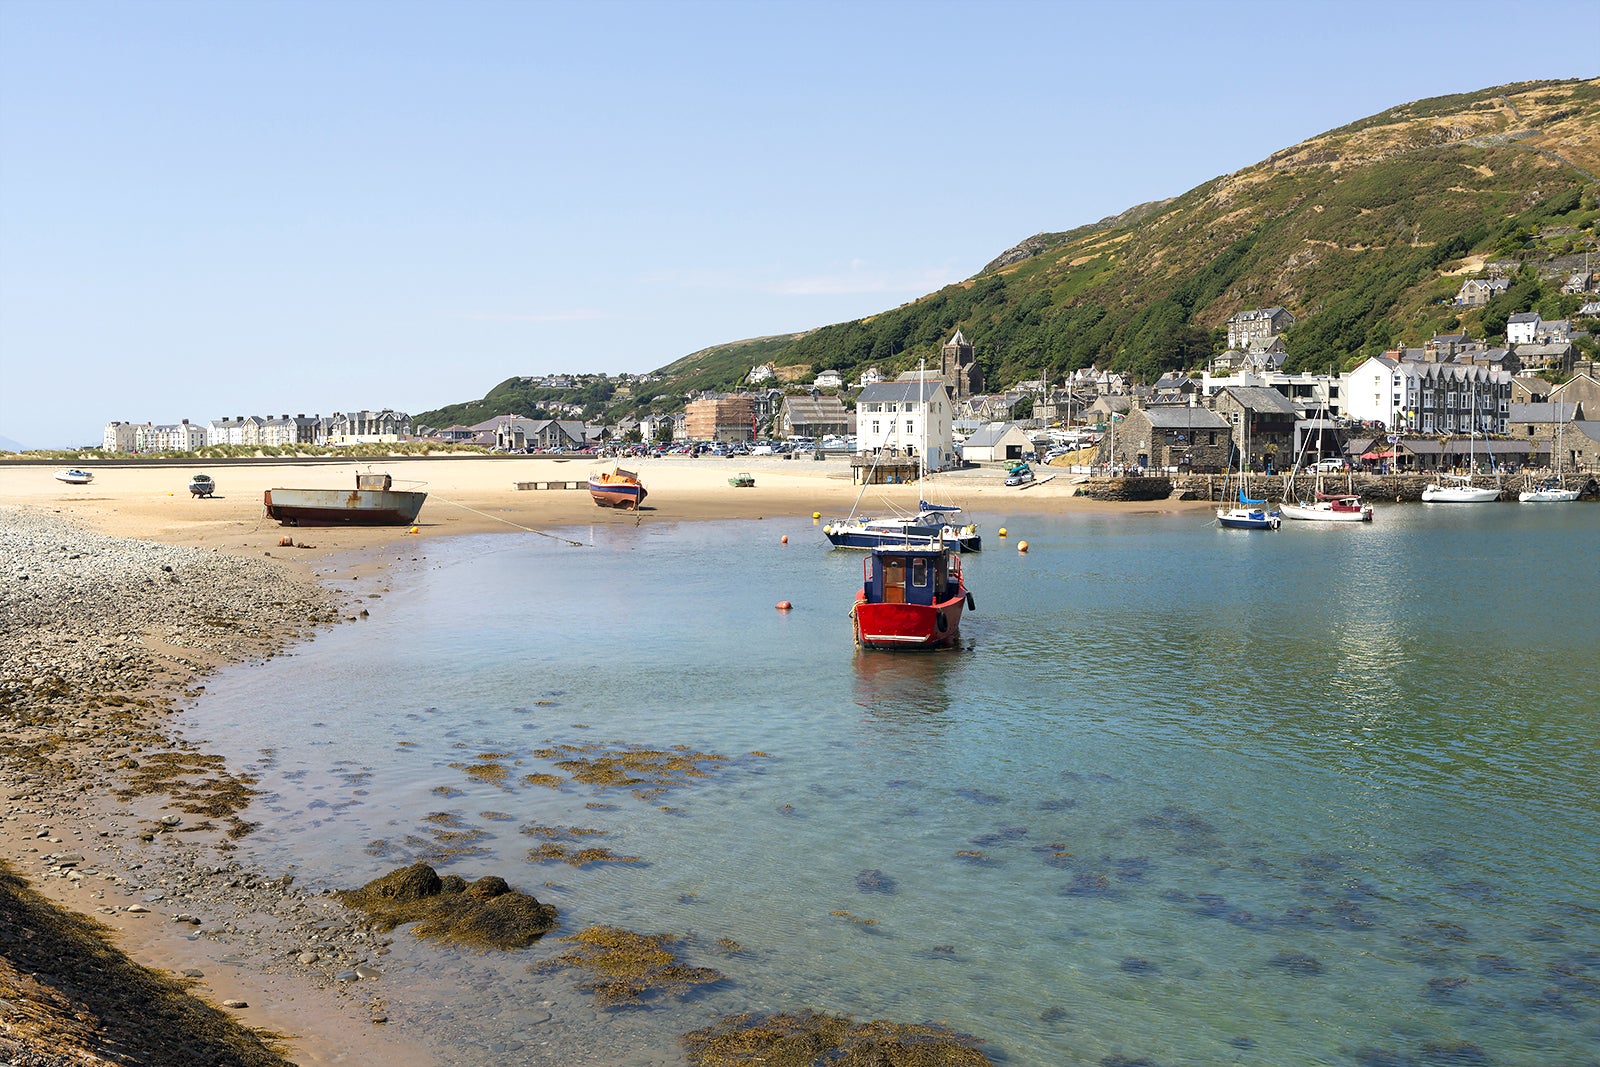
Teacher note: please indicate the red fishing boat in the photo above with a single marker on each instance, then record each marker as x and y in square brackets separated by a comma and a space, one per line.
[617, 488]
[911, 597]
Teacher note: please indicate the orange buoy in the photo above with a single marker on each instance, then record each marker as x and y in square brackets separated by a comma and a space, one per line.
[785, 538]
[413, 529]
[1022, 546]
[784, 605]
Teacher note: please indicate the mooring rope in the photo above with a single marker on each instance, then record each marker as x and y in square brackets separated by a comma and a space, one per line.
[518, 525]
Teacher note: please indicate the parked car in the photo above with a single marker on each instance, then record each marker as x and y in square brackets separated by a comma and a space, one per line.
[1326, 466]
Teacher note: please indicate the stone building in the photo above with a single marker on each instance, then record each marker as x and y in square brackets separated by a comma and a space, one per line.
[959, 368]
[1171, 437]
[1262, 422]
[1252, 331]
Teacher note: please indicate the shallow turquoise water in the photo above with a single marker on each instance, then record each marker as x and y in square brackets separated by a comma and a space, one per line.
[1325, 795]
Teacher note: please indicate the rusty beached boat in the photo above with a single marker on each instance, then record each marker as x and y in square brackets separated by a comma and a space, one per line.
[373, 502]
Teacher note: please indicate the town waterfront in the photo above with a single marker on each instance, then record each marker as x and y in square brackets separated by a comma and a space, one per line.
[1185, 796]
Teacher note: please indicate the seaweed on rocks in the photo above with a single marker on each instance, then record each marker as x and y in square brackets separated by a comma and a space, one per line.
[800, 1039]
[627, 968]
[486, 913]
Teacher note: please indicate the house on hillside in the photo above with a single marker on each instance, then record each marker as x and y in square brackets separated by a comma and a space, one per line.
[1557, 357]
[1252, 331]
[829, 379]
[1476, 292]
[1522, 328]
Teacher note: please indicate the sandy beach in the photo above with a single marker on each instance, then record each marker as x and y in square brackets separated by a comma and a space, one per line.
[476, 494]
[123, 593]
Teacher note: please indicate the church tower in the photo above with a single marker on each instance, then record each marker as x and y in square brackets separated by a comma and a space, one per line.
[960, 368]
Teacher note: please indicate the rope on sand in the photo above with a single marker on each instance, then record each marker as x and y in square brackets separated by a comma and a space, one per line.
[518, 525]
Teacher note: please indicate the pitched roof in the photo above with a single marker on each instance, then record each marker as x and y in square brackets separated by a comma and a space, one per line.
[1184, 417]
[1261, 398]
[815, 409]
[990, 434]
[1553, 411]
[919, 392]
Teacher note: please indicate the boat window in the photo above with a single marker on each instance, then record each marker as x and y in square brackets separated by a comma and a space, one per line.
[919, 572]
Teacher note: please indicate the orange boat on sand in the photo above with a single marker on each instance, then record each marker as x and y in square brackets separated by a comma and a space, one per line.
[617, 488]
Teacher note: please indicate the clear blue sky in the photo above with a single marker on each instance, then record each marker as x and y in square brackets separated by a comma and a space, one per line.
[236, 207]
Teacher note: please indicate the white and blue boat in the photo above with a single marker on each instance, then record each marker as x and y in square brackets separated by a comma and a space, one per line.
[1246, 512]
[932, 524]
[1250, 514]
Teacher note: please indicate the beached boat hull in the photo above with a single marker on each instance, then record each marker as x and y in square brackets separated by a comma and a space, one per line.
[617, 489]
[343, 507]
[74, 477]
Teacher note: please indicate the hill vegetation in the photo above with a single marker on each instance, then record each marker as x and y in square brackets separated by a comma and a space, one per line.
[1364, 233]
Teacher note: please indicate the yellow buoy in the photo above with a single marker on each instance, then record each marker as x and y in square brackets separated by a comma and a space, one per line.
[415, 530]
[1022, 546]
[1002, 531]
[815, 515]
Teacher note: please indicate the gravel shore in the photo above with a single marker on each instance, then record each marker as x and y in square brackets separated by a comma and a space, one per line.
[105, 812]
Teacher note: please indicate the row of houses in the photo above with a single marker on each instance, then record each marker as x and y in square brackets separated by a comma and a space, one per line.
[338, 429]
[1476, 292]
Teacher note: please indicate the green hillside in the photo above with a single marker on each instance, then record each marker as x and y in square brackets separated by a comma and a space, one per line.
[1365, 233]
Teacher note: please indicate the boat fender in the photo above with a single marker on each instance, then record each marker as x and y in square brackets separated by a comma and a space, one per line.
[942, 622]
[972, 604]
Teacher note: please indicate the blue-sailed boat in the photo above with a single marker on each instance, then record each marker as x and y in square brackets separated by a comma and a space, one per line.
[1247, 513]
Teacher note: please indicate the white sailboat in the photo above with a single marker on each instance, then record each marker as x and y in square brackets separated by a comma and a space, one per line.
[1323, 507]
[1459, 488]
[1550, 490]
[1245, 512]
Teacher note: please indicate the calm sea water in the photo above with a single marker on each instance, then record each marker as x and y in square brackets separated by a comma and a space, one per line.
[1325, 795]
